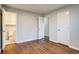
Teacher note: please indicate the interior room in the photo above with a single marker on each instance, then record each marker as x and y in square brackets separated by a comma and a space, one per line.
[39, 29]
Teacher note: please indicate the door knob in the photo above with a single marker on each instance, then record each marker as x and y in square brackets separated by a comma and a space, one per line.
[58, 29]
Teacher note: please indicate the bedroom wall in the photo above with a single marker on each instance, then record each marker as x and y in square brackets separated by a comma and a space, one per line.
[73, 25]
[26, 27]
[74, 28]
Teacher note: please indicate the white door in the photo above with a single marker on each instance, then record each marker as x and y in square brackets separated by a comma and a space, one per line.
[41, 27]
[4, 28]
[63, 27]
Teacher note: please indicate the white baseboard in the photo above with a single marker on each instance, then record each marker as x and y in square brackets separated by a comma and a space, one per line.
[76, 48]
[53, 40]
[25, 41]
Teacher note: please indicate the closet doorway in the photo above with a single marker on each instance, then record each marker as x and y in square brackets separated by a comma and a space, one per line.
[46, 28]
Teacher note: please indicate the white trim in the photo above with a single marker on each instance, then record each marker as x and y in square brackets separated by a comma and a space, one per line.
[53, 40]
[25, 41]
[59, 42]
[76, 48]
[73, 47]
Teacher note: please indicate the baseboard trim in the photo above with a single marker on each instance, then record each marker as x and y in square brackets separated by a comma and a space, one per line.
[53, 41]
[74, 47]
[25, 41]
[65, 44]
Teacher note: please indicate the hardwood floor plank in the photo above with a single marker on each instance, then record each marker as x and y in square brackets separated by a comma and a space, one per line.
[39, 47]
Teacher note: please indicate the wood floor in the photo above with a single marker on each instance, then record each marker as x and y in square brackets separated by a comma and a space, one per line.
[38, 47]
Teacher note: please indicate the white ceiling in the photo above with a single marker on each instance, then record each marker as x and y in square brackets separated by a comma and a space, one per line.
[37, 8]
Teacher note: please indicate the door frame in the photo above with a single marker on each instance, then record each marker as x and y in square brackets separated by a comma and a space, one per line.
[48, 27]
[1, 33]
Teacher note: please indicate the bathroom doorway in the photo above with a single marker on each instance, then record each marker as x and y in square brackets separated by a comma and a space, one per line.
[9, 28]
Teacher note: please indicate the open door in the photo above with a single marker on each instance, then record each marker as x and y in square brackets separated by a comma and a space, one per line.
[4, 16]
[41, 27]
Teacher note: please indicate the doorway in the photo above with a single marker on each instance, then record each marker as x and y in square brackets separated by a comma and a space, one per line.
[9, 28]
[43, 28]
[46, 28]
[0, 31]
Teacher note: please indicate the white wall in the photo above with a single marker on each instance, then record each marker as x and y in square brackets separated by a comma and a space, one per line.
[74, 26]
[26, 27]
[74, 23]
